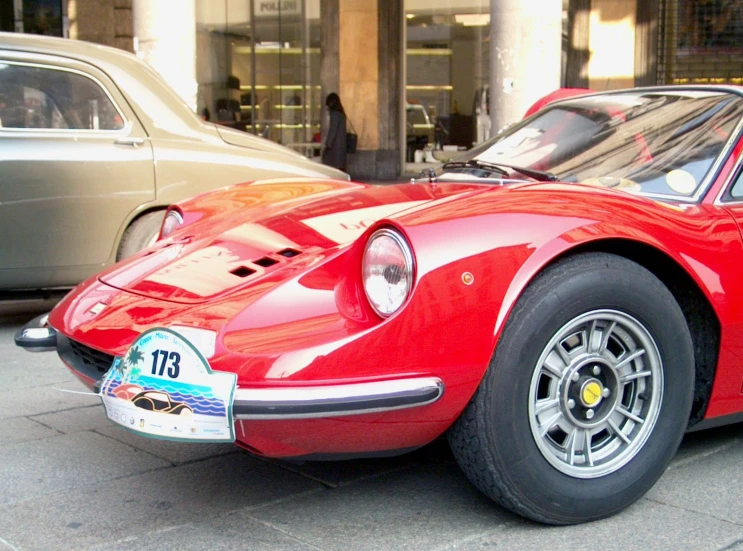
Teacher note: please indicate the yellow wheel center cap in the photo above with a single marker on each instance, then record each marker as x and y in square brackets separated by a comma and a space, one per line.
[591, 393]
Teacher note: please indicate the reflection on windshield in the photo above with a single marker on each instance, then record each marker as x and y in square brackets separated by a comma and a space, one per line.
[654, 142]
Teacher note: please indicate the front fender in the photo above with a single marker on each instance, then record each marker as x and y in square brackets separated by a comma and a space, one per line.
[505, 239]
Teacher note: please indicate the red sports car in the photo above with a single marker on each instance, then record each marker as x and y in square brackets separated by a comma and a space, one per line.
[563, 303]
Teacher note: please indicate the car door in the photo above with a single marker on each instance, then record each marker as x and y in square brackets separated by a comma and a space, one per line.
[74, 163]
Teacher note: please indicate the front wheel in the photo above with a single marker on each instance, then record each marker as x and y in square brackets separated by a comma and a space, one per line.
[141, 233]
[587, 396]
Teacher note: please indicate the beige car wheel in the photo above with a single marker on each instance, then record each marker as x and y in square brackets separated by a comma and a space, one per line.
[140, 234]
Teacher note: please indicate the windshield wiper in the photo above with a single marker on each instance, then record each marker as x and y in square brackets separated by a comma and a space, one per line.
[499, 167]
[474, 163]
[540, 175]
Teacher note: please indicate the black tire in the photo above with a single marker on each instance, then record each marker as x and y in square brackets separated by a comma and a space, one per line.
[140, 234]
[493, 440]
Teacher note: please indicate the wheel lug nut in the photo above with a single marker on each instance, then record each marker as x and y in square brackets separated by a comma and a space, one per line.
[575, 377]
[571, 403]
[605, 393]
[596, 370]
[589, 414]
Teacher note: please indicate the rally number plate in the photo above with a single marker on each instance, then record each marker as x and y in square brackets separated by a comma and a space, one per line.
[163, 387]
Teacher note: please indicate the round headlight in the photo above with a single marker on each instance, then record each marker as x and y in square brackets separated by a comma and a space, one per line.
[387, 271]
[171, 223]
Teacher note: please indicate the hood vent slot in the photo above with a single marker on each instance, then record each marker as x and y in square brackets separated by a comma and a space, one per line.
[289, 253]
[242, 271]
[265, 262]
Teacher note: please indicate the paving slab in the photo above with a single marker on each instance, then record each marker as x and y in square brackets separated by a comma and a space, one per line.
[23, 429]
[37, 400]
[165, 499]
[20, 369]
[418, 508]
[338, 473]
[76, 420]
[229, 532]
[644, 526]
[54, 465]
[697, 445]
[173, 452]
[734, 546]
[711, 486]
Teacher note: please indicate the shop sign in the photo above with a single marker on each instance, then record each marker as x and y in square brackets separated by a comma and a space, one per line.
[266, 8]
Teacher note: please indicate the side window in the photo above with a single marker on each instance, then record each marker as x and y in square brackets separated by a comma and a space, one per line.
[43, 97]
[736, 189]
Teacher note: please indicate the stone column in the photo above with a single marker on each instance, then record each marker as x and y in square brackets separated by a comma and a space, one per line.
[329, 39]
[18, 16]
[359, 79]
[525, 56]
[576, 68]
[106, 22]
[165, 37]
[390, 89]
[646, 43]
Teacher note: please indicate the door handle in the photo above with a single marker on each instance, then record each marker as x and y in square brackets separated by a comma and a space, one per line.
[131, 142]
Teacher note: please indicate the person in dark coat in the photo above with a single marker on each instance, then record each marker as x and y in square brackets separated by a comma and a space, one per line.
[334, 146]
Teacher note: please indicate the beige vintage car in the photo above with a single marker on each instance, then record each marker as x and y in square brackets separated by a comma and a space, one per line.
[93, 146]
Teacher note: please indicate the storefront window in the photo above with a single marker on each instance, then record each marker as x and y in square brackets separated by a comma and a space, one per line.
[45, 17]
[710, 24]
[42, 17]
[7, 23]
[704, 41]
[448, 71]
[258, 67]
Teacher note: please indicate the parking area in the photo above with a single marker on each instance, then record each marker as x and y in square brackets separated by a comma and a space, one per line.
[72, 480]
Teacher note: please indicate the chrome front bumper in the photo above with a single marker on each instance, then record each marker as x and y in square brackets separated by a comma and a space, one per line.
[335, 400]
[303, 402]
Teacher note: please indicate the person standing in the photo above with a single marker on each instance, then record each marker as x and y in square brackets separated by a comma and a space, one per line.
[334, 146]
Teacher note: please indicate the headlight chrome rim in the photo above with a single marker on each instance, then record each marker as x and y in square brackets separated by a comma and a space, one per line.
[172, 214]
[407, 253]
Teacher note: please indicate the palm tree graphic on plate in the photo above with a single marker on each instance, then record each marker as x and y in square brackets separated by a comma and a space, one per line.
[125, 369]
[132, 360]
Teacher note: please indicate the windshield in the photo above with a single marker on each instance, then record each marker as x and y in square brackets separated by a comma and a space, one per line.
[660, 143]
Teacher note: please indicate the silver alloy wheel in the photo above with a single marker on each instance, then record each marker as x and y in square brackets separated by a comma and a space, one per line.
[595, 394]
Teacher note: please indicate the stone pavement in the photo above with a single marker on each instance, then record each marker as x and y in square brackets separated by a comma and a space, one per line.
[70, 479]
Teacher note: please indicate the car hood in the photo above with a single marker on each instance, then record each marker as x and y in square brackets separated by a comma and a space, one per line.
[263, 233]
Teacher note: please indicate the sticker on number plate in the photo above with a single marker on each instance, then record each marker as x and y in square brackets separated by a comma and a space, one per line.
[163, 387]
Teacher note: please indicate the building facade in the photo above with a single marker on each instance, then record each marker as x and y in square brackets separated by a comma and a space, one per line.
[418, 78]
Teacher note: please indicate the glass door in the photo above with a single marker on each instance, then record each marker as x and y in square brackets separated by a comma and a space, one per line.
[268, 56]
[448, 71]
